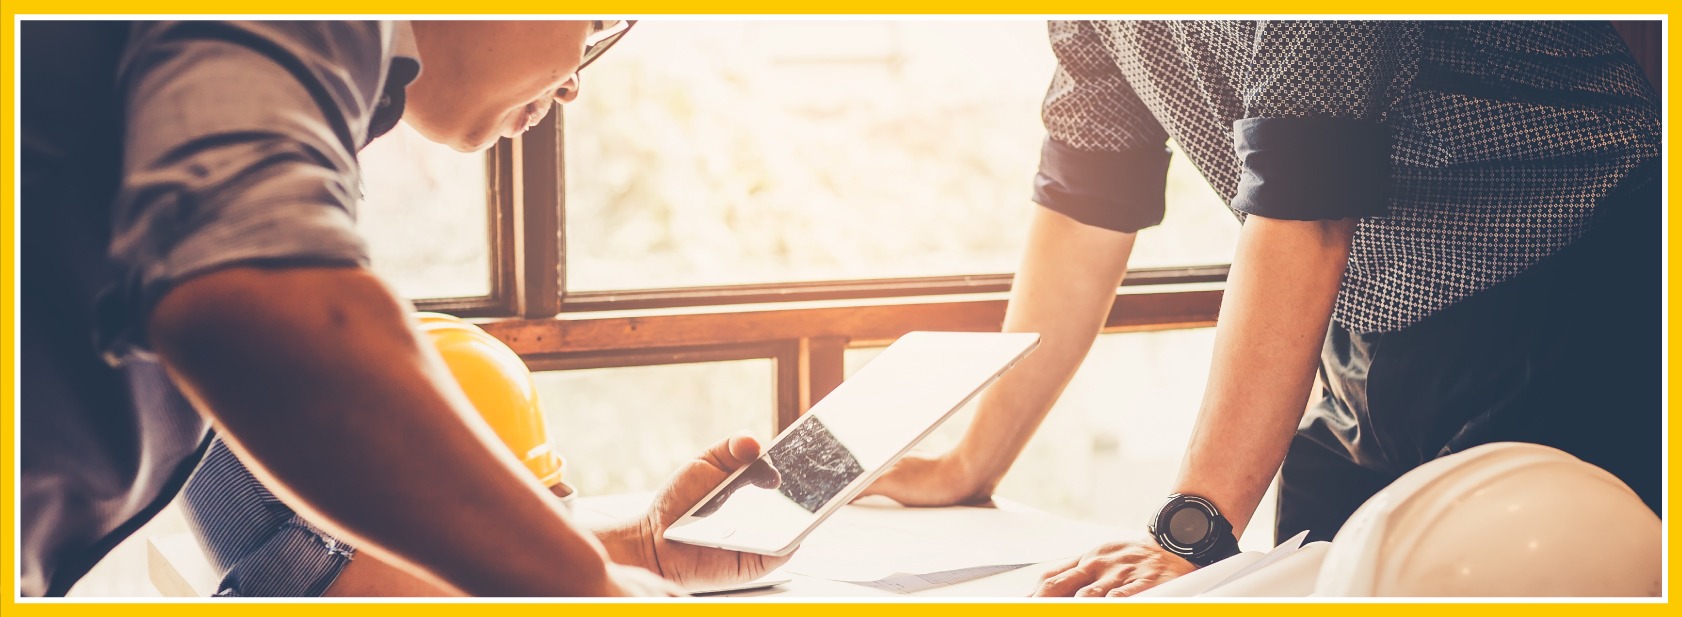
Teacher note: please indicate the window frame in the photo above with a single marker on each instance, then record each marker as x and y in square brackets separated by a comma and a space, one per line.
[502, 213]
[523, 202]
[804, 327]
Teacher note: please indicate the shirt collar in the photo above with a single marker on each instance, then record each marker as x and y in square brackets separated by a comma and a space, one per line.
[403, 41]
[405, 56]
[405, 66]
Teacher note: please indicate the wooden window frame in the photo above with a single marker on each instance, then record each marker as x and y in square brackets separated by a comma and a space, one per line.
[805, 328]
[500, 195]
[807, 342]
[527, 195]
[523, 200]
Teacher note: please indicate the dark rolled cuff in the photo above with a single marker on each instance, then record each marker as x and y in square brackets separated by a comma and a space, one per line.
[1312, 169]
[1121, 191]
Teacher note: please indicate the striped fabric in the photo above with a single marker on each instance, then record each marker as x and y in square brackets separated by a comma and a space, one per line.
[258, 546]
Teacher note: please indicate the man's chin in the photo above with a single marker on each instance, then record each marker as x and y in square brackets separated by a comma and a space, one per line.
[466, 144]
[466, 147]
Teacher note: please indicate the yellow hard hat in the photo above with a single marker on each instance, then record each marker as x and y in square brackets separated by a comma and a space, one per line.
[500, 386]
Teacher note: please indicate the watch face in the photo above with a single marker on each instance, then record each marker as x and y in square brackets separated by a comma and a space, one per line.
[1189, 526]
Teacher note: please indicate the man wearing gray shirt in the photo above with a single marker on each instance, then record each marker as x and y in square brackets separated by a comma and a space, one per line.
[189, 257]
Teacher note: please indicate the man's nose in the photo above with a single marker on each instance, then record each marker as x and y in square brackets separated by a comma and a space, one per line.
[568, 90]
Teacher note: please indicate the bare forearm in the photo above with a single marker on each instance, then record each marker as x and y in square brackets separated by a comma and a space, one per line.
[1277, 305]
[1063, 290]
[370, 576]
[315, 376]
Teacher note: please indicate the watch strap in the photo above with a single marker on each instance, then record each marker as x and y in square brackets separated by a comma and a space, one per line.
[1226, 545]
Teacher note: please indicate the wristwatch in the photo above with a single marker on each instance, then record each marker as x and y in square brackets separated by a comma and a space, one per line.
[1191, 527]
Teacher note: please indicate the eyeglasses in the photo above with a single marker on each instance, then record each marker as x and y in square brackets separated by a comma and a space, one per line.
[603, 34]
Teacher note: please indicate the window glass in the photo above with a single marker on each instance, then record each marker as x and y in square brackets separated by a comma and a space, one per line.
[731, 152]
[425, 213]
[1111, 446]
[628, 429]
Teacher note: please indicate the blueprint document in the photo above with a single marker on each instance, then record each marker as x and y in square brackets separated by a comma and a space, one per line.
[905, 550]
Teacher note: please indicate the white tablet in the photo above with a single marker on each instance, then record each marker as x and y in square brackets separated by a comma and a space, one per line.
[848, 439]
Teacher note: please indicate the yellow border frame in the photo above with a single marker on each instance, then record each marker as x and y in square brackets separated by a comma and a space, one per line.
[9, 273]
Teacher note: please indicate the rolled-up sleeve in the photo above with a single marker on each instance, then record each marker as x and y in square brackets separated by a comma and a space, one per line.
[258, 546]
[1105, 158]
[240, 147]
[1314, 143]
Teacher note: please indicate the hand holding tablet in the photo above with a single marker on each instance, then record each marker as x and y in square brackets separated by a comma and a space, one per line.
[849, 438]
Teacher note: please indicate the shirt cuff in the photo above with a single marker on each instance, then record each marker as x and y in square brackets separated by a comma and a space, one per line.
[1120, 191]
[298, 561]
[1312, 169]
[255, 543]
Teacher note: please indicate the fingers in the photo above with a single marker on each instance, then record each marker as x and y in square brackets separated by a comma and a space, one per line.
[1095, 584]
[1113, 579]
[1058, 568]
[1132, 588]
[1113, 570]
[732, 453]
[1065, 583]
[744, 448]
[763, 475]
[884, 485]
[768, 563]
[908, 482]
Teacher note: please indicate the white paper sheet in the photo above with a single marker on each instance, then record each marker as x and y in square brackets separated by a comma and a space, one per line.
[873, 543]
[1285, 549]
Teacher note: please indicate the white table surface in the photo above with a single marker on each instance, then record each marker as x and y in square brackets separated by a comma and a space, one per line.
[861, 542]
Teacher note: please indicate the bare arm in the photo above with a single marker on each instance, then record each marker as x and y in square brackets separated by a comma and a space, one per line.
[1063, 290]
[1277, 305]
[369, 576]
[1274, 314]
[315, 377]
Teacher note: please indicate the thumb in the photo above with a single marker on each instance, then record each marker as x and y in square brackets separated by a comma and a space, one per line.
[733, 452]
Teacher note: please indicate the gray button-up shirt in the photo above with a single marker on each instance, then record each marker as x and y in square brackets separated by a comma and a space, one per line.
[154, 152]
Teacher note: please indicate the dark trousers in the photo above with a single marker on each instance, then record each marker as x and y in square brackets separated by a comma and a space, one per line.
[1566, 354]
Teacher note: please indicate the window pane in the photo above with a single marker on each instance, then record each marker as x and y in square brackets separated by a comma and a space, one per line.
[627, 429]
[425, 214]
[1197, 228]
[728, 152]
[1111, 447]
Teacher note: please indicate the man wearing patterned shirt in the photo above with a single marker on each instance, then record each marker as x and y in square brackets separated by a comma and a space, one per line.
[1453, 223]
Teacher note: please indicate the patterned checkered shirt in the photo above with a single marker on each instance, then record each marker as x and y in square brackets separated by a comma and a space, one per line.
[1469, 150]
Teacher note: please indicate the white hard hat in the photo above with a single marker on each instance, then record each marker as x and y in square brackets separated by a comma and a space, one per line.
[1499, 520]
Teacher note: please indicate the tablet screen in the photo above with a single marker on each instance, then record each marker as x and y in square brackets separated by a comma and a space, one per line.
[829, 455]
